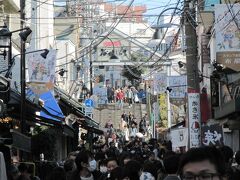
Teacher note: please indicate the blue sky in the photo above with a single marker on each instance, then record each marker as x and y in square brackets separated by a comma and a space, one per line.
[154, 7]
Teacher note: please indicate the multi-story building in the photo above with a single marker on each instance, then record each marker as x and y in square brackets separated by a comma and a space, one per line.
[23, 113]
[218, 47]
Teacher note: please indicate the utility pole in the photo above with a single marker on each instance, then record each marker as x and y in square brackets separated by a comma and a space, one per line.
[22, 76]
[91, 69]
[191, 45]
[194, 119]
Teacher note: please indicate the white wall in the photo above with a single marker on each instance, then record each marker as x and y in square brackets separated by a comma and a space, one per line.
[65, 53]
[39, 17]
[138, 31]
[41, 23]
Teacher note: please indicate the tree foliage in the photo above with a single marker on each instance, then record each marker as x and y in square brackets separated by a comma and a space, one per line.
[132, 73]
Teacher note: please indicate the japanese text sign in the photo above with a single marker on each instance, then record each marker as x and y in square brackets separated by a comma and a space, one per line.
[194, 119]
[212, 135]
[159, 83]
[178, 84]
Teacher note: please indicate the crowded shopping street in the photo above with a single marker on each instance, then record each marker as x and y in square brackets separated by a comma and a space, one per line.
[119, 90]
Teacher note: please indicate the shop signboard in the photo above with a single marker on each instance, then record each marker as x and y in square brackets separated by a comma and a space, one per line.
[178, 84]
[159, 83]
[227, 19]
[194, 120]
[179, 137]
[212, 135]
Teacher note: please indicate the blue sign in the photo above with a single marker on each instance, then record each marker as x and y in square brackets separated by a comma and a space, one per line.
[88, 102]
[142, 94]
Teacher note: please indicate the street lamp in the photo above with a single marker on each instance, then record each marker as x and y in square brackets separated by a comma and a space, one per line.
[199, 73]
[5, 39]
[5, 42]
[180, 64]
[112, 56]
[159, 26]
[12, 61]
[61, 71]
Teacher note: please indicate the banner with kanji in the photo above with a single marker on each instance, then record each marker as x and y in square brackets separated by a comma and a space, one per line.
[212, 135]
[194, 120]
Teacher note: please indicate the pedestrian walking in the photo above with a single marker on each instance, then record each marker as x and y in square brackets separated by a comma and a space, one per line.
[129, 97]
[83, 163]
[120, 97]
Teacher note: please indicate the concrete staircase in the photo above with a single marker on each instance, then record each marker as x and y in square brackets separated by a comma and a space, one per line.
[111, 112]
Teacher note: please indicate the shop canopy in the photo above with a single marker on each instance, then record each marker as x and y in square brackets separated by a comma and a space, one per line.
[51, 109]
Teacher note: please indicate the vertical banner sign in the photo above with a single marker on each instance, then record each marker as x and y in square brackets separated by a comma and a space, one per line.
[41, 72]
[156, 112]
[163, 103]
[155, 117]
[227, 19]
[194, 120]
[159, 83]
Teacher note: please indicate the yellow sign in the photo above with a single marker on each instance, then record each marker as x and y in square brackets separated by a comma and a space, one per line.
[163, 104]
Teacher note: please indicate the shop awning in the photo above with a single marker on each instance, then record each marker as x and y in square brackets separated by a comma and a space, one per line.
[50, 112]
[51, 109]
[74, 107]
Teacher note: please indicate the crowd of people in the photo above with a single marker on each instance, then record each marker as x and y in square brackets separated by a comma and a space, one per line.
[129, 156]
[137, 160]
[129, 127]
[125, 94]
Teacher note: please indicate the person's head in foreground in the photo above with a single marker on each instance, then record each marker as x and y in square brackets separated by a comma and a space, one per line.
[203, 163]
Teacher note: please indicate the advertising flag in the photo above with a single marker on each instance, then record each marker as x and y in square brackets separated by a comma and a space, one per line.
[41, 70]
[159, 83]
